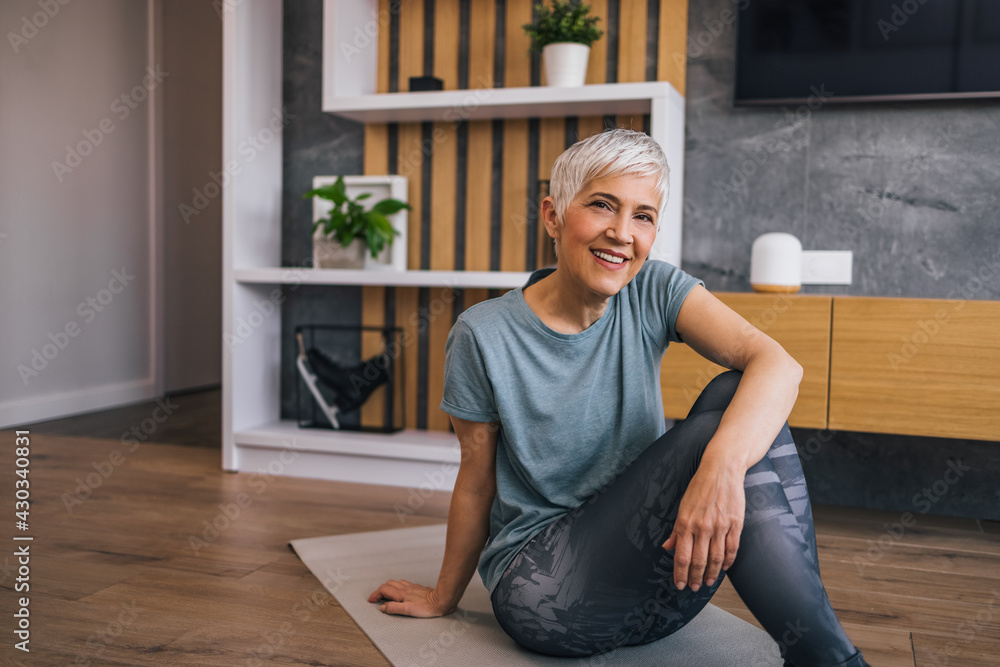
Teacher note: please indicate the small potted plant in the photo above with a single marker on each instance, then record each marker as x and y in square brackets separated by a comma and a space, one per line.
[564, 34]
[341, 237]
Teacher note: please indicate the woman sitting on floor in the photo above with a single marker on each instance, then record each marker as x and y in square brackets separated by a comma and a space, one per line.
[591, 527]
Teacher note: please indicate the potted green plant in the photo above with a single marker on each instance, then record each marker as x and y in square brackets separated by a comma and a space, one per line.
[564, 35]
[343, 228]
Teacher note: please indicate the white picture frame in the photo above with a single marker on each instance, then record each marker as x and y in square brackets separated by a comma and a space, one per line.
[393, 257]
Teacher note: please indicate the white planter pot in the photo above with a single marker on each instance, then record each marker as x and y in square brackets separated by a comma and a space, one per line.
[565, 64]
[329, 254]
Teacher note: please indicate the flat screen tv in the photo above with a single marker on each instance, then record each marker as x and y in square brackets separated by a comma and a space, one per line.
[866, 50]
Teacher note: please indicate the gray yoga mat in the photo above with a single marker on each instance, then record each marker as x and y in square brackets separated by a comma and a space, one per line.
[352, 566]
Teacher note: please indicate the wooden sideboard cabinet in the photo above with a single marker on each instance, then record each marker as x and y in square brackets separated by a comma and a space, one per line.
[926, 367]
[916, 367]
[800, 324]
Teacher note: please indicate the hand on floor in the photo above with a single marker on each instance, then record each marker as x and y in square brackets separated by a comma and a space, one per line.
[408, 599]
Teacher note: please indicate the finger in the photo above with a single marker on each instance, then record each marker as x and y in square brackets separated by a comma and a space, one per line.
[671, 541]
[699, 560]
[732, 545]
[399, 608]
[379, 593]
[682, 560]
[716, 556]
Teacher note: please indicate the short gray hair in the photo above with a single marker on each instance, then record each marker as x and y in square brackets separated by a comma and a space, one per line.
[616, 152]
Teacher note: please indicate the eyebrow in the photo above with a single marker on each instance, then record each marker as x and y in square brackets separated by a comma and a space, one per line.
[616, 200]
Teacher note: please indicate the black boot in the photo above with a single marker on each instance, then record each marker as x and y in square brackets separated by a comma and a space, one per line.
[856, 660]
[352, 386]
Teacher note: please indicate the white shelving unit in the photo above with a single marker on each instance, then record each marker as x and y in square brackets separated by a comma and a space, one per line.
[255, 438]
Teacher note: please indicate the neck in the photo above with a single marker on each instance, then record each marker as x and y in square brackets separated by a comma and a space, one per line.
[563, 306]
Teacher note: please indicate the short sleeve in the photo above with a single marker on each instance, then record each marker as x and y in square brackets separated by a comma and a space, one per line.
[662, 291]
[468, 392]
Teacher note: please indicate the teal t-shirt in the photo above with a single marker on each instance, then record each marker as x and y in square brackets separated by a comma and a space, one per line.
[574, 409]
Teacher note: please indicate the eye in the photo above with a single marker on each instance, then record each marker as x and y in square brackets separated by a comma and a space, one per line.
[645, 217]
[600, 203]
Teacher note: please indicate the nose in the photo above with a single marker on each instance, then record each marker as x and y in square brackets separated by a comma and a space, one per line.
[620, 230]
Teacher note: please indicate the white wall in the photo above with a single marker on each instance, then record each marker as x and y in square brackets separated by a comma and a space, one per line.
[192, 216]
[64, 236]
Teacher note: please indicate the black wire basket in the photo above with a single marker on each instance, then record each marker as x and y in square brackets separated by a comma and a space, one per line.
[350, 378]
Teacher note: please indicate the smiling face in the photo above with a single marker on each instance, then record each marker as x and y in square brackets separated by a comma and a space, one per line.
[607, 232]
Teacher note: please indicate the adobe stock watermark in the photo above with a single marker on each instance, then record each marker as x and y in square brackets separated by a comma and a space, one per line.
[122, 106]
[924, 501]
[874, 208]
[927, 329]
[247, 150]
[30, 26]
[88, 310]
[898, 17]
[756, 158]
[968, 630]
[300, 612]
[366, 35]
[430, 651]
[99, 641]
[104, 468]
[230, 512]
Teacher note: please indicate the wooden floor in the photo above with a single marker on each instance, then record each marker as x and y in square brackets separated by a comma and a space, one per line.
[127, 568]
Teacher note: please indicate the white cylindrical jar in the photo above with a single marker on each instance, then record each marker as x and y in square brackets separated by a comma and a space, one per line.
[565, 64]
[776, 263]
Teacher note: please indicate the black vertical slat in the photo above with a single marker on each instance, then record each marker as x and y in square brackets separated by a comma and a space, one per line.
[647, 124]
[499, 49]
[612, 34]
[610, 122]
[531, 215]
[463, 44]
[428, 37]
[458, 305]
[652, 39]
[393, 140]
[397, 359]
[492, 293]
[461, 190]
[536, 57]
[572, 131]
[496, 195]
[426, 166]
[394, 51]
[423, 347]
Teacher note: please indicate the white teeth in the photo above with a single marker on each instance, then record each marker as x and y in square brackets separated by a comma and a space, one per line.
[608, 258]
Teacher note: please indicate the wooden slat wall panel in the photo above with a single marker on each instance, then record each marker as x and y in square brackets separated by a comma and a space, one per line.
[632, 52]
[443, 197]
[407, 302]
[446, 42]
[916, 367]
[514, 202]
[440, 317]
[482, 40]
[382, 85]
[801, 324]
[373, 296]
[478, 201]
[597, 65]
[672, 47]
[515, 194]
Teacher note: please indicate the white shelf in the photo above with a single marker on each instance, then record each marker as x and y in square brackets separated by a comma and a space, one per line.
[454, 279]
[435, 446]
[424, 461]
[485, 103]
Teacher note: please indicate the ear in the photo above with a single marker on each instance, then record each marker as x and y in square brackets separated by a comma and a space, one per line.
[549, 219]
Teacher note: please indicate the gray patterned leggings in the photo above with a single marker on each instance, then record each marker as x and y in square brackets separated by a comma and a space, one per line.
[598, 577]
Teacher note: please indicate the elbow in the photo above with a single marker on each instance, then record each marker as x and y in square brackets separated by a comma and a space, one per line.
[795, 371]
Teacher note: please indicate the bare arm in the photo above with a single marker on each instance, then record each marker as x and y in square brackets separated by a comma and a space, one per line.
[710, 520]
[468, 529]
